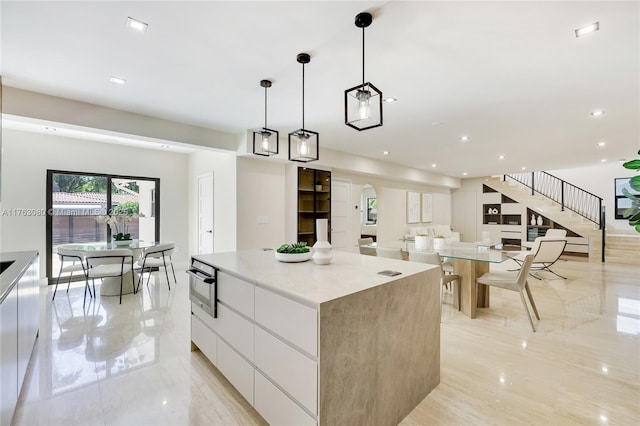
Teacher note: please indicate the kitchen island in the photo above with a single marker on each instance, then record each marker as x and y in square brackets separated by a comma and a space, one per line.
[329, 344]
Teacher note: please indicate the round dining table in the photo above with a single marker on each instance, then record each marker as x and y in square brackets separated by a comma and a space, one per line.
[111, 285]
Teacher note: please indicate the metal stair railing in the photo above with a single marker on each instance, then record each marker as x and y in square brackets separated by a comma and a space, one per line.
[569, 196]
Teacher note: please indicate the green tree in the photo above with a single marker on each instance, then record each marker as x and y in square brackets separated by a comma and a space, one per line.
[128, 207]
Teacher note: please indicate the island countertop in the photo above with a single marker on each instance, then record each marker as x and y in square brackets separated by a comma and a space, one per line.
[9, 277]
[307, 282]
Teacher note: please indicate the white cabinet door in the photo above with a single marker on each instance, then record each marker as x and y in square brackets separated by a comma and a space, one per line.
[296, 373]
[293, 321]
[236, 369]
[236, 293]
[204, 338]
[276, 407]
[236, 330]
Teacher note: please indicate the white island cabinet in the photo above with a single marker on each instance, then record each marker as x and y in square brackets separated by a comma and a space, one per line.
[323, 344]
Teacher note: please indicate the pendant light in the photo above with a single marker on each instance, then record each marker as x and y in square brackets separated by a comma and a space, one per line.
[265, 140]
[363, 103]
[303, 144]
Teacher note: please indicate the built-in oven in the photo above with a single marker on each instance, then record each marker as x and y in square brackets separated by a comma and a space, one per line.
[203, 286]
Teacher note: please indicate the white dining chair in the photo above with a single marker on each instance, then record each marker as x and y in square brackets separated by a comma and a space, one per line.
[108, 263]
[514, 281]
[391, 253]
[156, 257]
[369, 251]
[433, 258]
[546, 251]
[74, 263]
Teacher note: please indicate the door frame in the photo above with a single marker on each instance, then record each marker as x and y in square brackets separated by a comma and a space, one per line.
[202, 176]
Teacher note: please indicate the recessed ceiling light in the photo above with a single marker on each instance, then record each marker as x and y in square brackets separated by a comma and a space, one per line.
[117, 80]
[137, 25]
[389, 100]
[464, 138]
[602, 143]
[588, 29]
[434, 165]
[604, 160]
[597, 113]
[501, 157]
[385, 152]
[437, 123]
[464, 174]
[524, 168]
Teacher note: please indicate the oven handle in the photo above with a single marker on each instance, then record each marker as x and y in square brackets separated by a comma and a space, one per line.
[208, 280]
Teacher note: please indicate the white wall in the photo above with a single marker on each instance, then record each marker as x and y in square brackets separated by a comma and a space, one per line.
[392, 202]
[223, 167]
[261, 198]
[599, 181]
[27, 156]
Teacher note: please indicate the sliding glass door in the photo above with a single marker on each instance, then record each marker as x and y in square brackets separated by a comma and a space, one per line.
[78, 203]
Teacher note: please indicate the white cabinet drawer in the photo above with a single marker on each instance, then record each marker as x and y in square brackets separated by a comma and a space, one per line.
[291, 320]
[236, 330]
[205, 339]
[511, 208]
[296, 373]
[236, 293]
[238, 371]
[276, 407]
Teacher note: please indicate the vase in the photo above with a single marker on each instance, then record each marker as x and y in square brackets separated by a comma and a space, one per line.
[122, 242]
[539, 220]
[533, 219]
[322, 247]
[422, 242]
[438, 243]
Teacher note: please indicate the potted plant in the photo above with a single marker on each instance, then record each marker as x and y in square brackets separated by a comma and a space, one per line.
[633, 212]
[438, 242]
[296, 252]
[422, 242]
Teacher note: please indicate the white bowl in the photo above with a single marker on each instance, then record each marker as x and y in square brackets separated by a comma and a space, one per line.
[293, 257]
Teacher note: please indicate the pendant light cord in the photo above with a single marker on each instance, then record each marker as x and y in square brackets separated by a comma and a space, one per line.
[265, 107]
[303, 95]
[363, 56]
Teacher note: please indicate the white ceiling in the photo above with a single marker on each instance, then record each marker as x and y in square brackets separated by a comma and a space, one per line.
[511, 75]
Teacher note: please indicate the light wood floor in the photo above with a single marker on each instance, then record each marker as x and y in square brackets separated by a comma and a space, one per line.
[130, 364]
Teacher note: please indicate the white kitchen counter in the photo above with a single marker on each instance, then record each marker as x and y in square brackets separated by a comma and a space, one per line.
[307, 282]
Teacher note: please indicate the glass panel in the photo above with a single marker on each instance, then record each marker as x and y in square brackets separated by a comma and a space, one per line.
[133, 201]
[76, 201]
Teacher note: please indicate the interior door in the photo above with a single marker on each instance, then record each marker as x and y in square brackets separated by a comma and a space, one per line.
[340, 214]
[205, 213]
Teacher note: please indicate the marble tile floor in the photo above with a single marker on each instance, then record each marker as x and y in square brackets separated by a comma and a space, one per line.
[131, 364]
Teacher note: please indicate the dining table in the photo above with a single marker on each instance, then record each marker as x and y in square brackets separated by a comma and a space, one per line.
[470, 261]
[111, 285]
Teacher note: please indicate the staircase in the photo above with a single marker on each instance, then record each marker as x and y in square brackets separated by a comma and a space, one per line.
[623, 249]
[566, 218]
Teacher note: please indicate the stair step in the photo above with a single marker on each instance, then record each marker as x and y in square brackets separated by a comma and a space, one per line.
[623, 260]
[622, 253]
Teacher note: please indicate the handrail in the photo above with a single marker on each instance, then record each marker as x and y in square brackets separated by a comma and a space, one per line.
[569, 196]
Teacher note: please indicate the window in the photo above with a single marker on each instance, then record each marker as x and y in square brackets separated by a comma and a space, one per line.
[621, 202]
[74, 201]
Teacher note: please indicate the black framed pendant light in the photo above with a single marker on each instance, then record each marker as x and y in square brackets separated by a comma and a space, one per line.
[265, 140]
[304, 144]
[363, 103]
